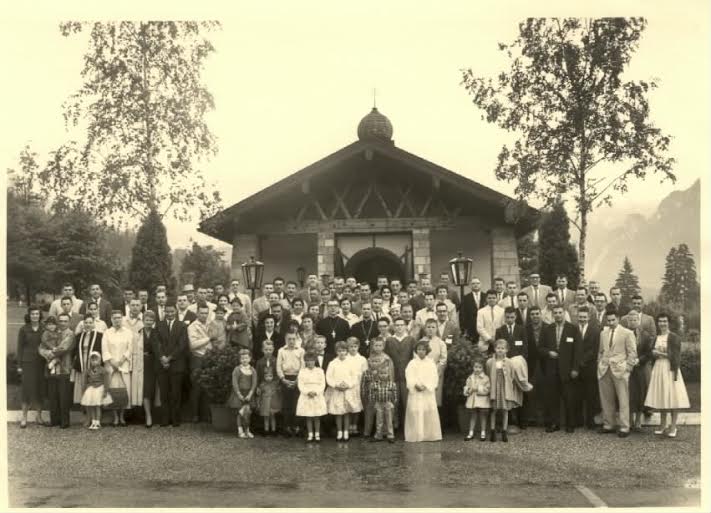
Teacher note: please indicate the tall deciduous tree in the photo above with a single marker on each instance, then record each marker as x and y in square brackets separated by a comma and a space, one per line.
[143, 106]
[557, 256]
[565, 95]
[680, 287]
[627, 281]
[205, 265]
[151, 263]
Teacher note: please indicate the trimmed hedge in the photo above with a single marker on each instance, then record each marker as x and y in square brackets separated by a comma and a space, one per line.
[691, 365]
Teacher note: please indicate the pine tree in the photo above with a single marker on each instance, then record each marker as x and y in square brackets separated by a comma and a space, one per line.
[627, 282]
[680, 287]
[528, 249]
[205, 266]
[556, 254]
[151, 263]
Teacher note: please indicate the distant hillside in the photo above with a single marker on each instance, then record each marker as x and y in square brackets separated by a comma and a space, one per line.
[645, 240]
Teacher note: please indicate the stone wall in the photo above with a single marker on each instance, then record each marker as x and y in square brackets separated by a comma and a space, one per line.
[421, 251]
[504, 254]
[324, 252]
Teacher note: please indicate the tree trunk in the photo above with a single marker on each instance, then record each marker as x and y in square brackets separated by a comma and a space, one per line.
[581, 243]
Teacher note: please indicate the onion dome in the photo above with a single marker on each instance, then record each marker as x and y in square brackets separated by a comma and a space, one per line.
[375, 126]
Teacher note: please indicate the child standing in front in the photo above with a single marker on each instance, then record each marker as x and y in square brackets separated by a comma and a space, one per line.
[288, 365]
[503, 394]
[477, 390]
[382, 393]
[312, 404]
[96, 393]
[268, 392]
[360, 366]
[341, 394]
[421, 416]
[244, 386]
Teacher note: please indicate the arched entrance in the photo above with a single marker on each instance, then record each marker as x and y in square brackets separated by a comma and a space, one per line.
[368, 263]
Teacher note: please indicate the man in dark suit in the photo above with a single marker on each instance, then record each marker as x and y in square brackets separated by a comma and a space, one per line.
[171, 349]
[561, 350]
[128, 295]
[333, 327]
[515, 335]
[471, 303]
[522, 312]
[588, 390]
[182, 313]
[616, 303]
[534, 337]
[103, 304]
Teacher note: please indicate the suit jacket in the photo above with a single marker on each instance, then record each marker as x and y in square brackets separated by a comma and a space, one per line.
[189, 318]
[622, 309]
[518, 341]
[533, 344]
[645, 344]
[569, 349]
[573, 312]
[94, 345]
[543, 291]
[104, 310]
[149, 344]
[467, 314]
[591, 343]
[172, 343]
[519, 317]
[485, 326]
[327, 326]
[506, 302]
[261, 335]
[450, 330]
[364, 330]
[568, 297]
[281, 326]
[124, 310]
[619, 356]
[418, 302]
[327, 359]
[259, 305]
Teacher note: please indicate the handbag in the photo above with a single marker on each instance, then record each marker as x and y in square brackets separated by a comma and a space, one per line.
[118, 392]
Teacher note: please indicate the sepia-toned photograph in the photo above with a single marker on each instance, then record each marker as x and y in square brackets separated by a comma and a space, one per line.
[355, 255]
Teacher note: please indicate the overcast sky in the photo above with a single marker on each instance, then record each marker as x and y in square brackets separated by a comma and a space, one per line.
[292, 80]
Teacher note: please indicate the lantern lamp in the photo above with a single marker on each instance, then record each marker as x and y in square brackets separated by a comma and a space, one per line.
[253, 272]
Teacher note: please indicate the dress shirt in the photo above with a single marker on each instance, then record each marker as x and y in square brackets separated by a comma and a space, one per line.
[199, 339]
[288, 361]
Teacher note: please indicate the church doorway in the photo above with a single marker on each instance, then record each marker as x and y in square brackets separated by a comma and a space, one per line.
[367, 264]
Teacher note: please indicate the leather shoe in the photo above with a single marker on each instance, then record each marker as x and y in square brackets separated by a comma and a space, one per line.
[549, 429]
[623, 434]
[492, 437]
[605, 431]
[504, 437]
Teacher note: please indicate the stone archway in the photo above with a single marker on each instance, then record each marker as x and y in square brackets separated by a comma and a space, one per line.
[368, 263]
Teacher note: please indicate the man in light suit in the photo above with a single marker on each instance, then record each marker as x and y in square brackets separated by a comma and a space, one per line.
[646, 322]
[536, 291]
[67, 291]
[244, 298]
[617, 356]
[489, 319]
[447, 329]
[563, 294]
[471, 303]
[103, 305]
[261, 304]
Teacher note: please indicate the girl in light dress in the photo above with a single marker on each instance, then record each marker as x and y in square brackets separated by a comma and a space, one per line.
[342, 395]
[312, 404]
[503, 395]
[360, 366]
[667, 391]
[244, 386]
[421, 416]
[96, 393]
[477, 390]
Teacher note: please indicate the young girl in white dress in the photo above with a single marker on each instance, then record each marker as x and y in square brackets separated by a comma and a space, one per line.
[421, 417]
[96, 393]
[360, 365]
[312, 404]
[666, 392]
[477, 390]
[341, 394]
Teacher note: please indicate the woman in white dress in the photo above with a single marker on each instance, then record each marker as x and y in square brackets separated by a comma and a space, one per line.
[117, 353]
[421, 417]
[134, 322]
[666, 392]
[437, 353]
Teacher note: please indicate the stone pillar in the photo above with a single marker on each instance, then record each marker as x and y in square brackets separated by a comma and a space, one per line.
[421, 251]
[244, 246]
[504, 254]
[325, 250]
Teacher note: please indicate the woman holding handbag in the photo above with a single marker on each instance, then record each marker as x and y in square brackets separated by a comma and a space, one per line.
[117, 350]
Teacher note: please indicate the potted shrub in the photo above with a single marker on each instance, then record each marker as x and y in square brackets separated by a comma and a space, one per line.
[460, 360]
[215, 377]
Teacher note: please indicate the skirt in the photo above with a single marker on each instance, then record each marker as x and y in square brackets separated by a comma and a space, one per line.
[34, 383]
[638, 386]
[269, 401]
[311, 406]
[339, 402]
[235, 402]
[149, 377]
[94, 396]
[120, 390]
[478, 401]
[664, 393]
[499, 402]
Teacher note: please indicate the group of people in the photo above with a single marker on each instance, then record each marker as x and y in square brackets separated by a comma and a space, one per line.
[371, 362]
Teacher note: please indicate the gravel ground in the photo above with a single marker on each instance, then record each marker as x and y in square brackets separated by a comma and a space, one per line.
[194, 454]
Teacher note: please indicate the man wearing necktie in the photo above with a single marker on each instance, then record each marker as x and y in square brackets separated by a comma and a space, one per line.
[522, 310]
[536, 291]
[499, 286]
[589, 394]
[560, 350]
[488, 320]
[515, 335]
[617, 356]
[509, 299]
[171, 348]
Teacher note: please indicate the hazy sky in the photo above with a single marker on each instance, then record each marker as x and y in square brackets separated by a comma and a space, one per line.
[292, 80]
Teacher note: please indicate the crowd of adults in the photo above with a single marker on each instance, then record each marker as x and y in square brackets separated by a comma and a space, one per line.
[589, 356]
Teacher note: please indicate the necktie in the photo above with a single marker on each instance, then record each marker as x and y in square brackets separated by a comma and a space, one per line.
[582, 330]
[170, 326]
[535, 296]
[612, 334]
[558, 330]
[512, 301]
[510, 331]
[492, 315]
[560, 295]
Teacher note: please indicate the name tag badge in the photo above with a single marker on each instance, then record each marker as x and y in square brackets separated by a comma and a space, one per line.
[367, 342]
[449, 340]
[569, 339]
[518, 343]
